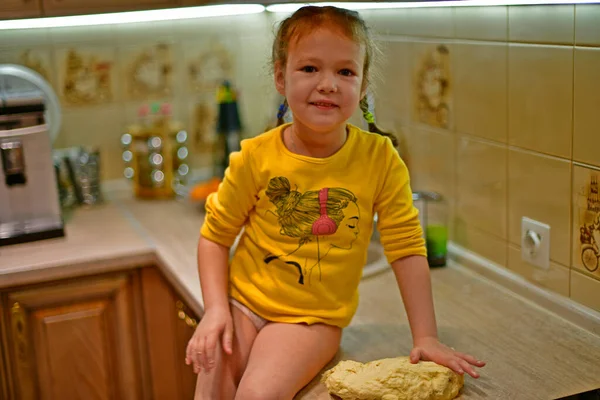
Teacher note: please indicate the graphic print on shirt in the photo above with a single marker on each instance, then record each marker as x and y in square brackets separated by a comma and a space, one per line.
[327, 217]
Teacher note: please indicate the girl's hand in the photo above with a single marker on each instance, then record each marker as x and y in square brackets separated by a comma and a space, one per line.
[216, 324]
[430, 349]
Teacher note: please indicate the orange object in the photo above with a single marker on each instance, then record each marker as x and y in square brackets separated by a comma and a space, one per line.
[201, 190]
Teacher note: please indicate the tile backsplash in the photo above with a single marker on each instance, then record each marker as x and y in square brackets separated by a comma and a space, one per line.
[103, 74]
[495, 108]
[510, 128]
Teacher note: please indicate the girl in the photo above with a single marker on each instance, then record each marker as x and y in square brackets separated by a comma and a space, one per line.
[306, 193]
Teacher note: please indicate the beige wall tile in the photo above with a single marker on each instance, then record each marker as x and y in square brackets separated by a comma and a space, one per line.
[234, 25]
[387, 22]
[25, 37]
[432, 85]
[480, 89]
[138, 32]
[540, 98]
[586, 220]
[585, 290]
[555, 278]
[82, 126]
[432, 162]
[481, 185]
[553, 24]
[391, 84]
[430, 22]
[539, 187]
[254, 77]
[587, 27]
[432, 167]
[586, 137]
[481, 23]
[486, 245]
[98, 34]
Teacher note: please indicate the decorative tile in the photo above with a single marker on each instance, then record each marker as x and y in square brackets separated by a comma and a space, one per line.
[555, 278]
[432, 86]
[539, 187]
[551, 24]
[481, 23]
[585, 290]
[203, 112]
[481, 89]
[86, 75]
[586, 220]
[35, 58]
[540, 98]
[587, 28]
[147, 71]
[482, 185]
[586, 134]
[208, 64]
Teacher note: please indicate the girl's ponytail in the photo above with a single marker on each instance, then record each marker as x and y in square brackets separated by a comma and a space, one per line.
[370, 118]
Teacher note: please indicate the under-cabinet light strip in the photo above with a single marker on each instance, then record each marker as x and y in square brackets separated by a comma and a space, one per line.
[291, 7]
[134, 16]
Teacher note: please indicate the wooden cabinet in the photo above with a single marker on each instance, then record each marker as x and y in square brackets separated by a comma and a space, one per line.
[189, 3]
[4, 378]
[117, 336]
[20, 9]
[75, 340]
[66, 7]
[169, 327]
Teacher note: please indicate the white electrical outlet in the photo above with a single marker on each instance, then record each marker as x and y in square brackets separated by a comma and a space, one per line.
[535, 243]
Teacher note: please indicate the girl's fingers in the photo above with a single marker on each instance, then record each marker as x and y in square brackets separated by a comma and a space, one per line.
[470, 359]
[468, 368]
[199, 355]
[211, 344]
[454, 364]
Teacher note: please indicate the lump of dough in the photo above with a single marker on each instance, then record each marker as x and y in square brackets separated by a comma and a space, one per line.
[392, 379]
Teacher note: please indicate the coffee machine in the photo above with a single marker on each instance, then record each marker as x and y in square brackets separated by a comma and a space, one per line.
[29, 203]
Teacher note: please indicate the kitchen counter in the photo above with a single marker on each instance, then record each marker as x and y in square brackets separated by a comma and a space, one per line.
[531, 353]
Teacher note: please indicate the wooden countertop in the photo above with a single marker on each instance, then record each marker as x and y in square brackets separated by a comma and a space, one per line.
[531, 354]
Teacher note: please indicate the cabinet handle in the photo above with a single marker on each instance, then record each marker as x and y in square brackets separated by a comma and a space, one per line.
[19, 332]
[189, 321]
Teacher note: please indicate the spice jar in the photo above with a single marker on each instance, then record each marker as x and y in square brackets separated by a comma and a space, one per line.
[155, 153]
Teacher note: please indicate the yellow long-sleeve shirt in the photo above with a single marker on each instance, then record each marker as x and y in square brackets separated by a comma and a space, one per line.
[282, 270]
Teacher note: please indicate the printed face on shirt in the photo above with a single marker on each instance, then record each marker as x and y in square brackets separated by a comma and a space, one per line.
[322, 80]
[348, 229]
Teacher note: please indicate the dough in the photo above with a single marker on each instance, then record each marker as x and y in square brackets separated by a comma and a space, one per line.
[392, 379]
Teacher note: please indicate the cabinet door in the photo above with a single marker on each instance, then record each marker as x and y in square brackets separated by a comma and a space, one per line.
[64, 7]
[3, 357]
[169, 327]
[75, 340]
[20, 9]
